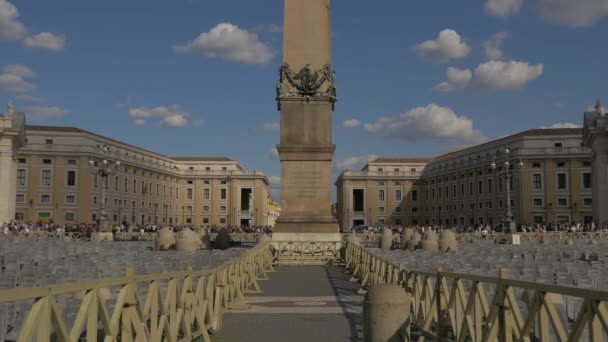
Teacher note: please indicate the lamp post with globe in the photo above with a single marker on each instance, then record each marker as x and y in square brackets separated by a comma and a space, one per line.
[104, 168]
[508, 224]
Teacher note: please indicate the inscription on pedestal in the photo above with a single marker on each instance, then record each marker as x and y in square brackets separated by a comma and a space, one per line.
[304, 182]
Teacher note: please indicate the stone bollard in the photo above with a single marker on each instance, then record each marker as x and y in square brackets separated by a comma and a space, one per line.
[593, 242]
[263, 238]
[406, 235]
[165, 240]
[187, 241]
[414, 241]
[447, 241]
[354, 239]
[429, 242]
[386, 314]
[222, 240]
[569, 242]
[386, 240]
[205, 240]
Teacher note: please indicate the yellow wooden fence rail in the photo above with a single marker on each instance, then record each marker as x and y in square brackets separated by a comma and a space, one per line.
[482, 308]
[191, 306]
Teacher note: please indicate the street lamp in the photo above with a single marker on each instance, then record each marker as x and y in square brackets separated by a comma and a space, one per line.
[508, 222]
[104, 169]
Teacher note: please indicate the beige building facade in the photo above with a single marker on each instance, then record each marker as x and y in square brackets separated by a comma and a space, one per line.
[58, 180]
[385, 192]
[549, 178]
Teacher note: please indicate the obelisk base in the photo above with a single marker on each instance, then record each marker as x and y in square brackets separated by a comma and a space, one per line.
[307, 243]
[289, 228]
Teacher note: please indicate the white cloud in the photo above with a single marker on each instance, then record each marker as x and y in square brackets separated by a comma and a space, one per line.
[563, 125]
[511, 75]
[275, 180]
[268, 127]
[10, 27]
[456, 79]
[492, 75]
[19, 70]
[492, 46]
[45, 113]
[174, 121]
[352, 123]
[274, 153]
[353, 163]
[448, 45]
[167, 116]
[45, 41]
[573, 13]
[504, 8]
[432, 122]
[14, 78]
[229, 42]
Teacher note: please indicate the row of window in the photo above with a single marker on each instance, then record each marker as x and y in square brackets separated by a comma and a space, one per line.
[70, 217]
[535, 165]
[207, 194]
[398, 195]
[562, 181]
[537, 202]
[537, 184]
[562, 202]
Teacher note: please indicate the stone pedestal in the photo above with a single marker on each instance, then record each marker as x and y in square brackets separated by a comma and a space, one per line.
[102, 237]
[595, 136]
[306, 96]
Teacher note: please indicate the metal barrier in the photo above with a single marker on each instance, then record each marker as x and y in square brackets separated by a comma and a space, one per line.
[135, 236]
[306, 252]
[191, 306]
[373, 239]
[444, 302]
[43, 235]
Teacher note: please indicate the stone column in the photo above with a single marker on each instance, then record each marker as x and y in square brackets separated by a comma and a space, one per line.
[306, 95]
[8, 175]
[12, 137]
[595, 136]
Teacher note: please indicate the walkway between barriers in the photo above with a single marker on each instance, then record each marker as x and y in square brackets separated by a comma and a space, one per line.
[299, 303]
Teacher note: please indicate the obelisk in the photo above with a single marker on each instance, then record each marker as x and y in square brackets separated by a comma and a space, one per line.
[306, 95]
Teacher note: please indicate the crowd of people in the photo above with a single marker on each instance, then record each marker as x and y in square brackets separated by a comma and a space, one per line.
[87, 229]
[485, 229]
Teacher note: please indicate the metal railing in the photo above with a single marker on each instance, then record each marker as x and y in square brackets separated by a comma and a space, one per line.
[368, 239]
[306, 252]
[480, 308]
[365, 238]
[189, 308]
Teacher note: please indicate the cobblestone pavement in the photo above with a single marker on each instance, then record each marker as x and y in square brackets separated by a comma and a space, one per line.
[299, 303]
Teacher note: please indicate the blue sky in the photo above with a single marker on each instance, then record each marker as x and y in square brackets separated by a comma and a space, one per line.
[197, 77]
